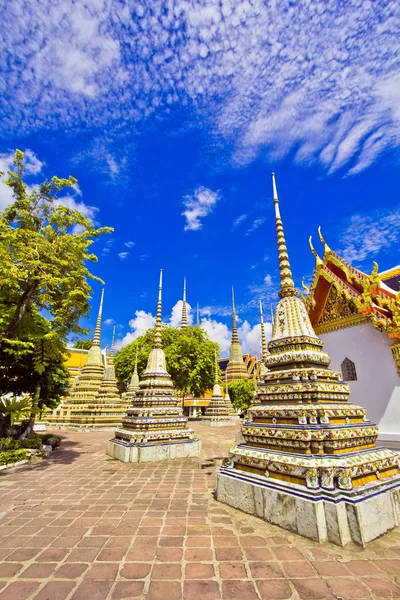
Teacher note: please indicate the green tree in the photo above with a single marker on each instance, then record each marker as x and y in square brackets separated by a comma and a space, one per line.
[44, 288]
[83, 344]
[241, 393]
[189, 354]
[44, 248]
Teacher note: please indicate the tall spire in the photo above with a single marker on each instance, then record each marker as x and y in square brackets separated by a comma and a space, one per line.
[287, 285]
[97, 331]
[197, 316]
[263, 338]
[157, 336]
[235, 337]
[184, 313]
[135, 370]
[216, 369]
[111, 356]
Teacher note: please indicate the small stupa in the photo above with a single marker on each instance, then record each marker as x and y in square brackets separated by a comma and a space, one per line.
[236, 369]
[228, 401]
[309, 462]
[94, 402]
[154, 427]
[184, 322]
[217, 412]
[134, 383]
[108, 392]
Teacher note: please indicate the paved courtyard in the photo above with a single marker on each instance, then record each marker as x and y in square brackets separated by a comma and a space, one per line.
[82, 526]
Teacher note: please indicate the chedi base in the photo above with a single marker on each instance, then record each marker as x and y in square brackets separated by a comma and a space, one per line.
[126, 452]
[335, 516]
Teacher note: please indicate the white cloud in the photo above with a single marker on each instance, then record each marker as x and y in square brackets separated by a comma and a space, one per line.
[198, 206]
[33, 166]
[129, 244]
[238, 221]
[176, 314]
[108, 322]
[217, 332]
[250, 336]
[368, 234]
[318, 78]
[123, 255]
[139, 324]
[255, 225]
[73, 204]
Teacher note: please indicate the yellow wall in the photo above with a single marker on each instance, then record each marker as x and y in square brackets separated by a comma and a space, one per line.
[75, 359]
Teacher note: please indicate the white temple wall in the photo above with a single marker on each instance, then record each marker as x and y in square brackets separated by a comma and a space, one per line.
[378, 384]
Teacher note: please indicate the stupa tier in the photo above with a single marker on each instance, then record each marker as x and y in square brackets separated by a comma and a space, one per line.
[218, 411]
[154, 427]
[134, 382]
[236, 368]
[309, 462]
[94, 401]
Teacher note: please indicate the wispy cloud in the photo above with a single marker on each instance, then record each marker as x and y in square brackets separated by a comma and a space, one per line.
[129, 244]
[109, 322]
[123, 255]
[318, 78]
[238, 221]
[255, 225]
[198, 206]
[366, 235]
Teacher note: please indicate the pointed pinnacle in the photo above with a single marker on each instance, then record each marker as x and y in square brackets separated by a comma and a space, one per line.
[157, 336]
[287, 285]
[97, 331]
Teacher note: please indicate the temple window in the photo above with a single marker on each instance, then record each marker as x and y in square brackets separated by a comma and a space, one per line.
[349, 370]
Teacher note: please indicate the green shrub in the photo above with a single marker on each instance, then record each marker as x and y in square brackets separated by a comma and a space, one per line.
[12, 456]
[9, 443]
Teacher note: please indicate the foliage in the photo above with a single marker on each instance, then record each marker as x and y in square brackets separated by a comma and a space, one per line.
[8, 443]
[83, 344]
[15, 408]
[189, 354]
[44, 288]
[241, 393]
[13, 456]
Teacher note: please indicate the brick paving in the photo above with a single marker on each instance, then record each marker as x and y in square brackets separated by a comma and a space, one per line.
[82, 526]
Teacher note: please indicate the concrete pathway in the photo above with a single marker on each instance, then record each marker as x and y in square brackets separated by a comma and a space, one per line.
[82, 526]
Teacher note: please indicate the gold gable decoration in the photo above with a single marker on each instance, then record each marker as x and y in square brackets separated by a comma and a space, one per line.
[339, 311]
[396, 355]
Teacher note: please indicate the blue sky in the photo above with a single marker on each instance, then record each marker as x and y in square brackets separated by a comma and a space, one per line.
[172, 116]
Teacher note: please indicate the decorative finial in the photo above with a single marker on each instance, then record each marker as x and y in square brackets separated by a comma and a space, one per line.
[97, 331]
[321, 237]
[135, 370]
[197, 316]
[157, 336]
[318, 261]
[263, 337]
[235, 337]
[111, 355]
[184, 312]
[216, 368]
[287, 285]
[304, 286]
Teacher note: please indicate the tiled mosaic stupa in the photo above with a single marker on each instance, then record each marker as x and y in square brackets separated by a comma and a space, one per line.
[134, 382]
[264, 350]
[154, 427]
[217, 412]
[236, 369]
[94, 401]
[309, 462]
[228, 401]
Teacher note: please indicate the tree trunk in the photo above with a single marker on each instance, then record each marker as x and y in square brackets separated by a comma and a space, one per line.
[31, 422]
[22, 307]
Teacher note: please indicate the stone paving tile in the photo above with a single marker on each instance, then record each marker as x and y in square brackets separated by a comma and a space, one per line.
[84, 527]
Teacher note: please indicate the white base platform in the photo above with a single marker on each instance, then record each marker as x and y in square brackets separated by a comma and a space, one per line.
[139, 454]
[335, 516]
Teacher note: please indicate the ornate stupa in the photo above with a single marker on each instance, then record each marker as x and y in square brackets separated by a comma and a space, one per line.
[264, 350]
[92, 373]
[94, 401]
[108, 392]
[217, 412]
[184, 322]
[134, 383]
[228, 401]
[236, 368]
[309, 462]
[154, 427]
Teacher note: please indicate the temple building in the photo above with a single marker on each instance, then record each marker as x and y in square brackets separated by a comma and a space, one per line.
[252, 365]
[154, 427]
[235, 368]
[218, 412]
[309, 461]
[75, 359]
[357, 315]
[93, 400]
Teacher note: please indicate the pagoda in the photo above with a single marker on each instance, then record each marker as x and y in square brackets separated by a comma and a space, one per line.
[217, 412]
[228, 401]
[236, 368]
[154, 427]
[309, 462]
[134, 383]
[94, 401]
[184, 322]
